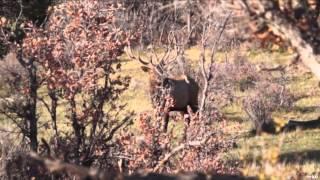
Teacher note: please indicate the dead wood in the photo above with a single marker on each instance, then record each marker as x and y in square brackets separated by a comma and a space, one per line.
[287, 30]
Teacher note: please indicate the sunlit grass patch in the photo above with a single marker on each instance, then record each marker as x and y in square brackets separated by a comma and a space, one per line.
[267, 57]
[137, 97]
[299, 149]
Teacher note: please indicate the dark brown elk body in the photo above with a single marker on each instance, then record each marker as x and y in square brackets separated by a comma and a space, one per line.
[181, 89]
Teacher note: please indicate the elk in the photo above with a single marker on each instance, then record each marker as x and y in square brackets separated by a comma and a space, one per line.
[181, 89]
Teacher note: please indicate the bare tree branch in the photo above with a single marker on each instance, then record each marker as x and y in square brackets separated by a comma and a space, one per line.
[180, 148]
[207, 75]
[116, 128]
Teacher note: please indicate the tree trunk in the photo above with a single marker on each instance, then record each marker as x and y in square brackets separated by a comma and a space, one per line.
[32, 114]
[77, 128]
[285, 29]
[53, 114]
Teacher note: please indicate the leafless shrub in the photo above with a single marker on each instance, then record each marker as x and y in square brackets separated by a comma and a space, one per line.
[227, 78]
[159, 18]
[13, 103]
[13, 161]
[11, 74]
[266, 98]
[154, 151]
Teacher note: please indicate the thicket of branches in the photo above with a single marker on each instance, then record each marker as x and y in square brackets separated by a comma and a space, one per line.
[65, 60]
[70, 61]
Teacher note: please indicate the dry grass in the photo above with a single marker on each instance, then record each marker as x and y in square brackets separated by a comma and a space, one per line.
[259, 155]
[294, 151]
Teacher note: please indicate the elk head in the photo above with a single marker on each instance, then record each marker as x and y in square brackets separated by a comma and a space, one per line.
[158, 76]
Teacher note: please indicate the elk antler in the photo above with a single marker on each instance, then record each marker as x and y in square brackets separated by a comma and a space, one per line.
[165, 59]
[129, 53]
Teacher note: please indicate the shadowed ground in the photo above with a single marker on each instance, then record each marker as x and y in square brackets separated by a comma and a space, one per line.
[301, 156]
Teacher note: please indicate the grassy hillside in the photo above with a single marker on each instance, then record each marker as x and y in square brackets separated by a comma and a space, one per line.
[279, 155]
[260, 155]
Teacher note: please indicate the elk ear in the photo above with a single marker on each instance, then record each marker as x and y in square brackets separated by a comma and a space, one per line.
[145, 68]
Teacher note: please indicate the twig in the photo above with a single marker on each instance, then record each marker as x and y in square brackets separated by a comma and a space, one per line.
[205, 86]
[46, 105]
[214, 47]
[180, 148]
[20, 13]
[207, 75]
[23, 129]
[115, 129]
